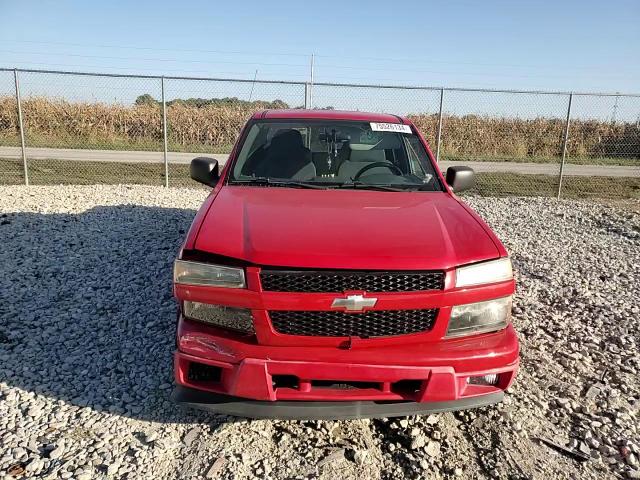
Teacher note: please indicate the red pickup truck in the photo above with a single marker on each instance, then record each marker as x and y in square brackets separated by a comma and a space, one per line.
[333, 273]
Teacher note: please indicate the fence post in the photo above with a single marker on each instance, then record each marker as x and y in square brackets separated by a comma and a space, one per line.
[164, 135]
[564, 145]
[439, 134]
[21, 125]
[306, 95]
[311, 83]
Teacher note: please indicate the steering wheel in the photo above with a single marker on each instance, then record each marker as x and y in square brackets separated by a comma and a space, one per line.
[389, 165]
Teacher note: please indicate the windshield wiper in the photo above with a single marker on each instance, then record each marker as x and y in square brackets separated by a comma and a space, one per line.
[267, 181]
[370, 186]
[416, 186]
[276, 183]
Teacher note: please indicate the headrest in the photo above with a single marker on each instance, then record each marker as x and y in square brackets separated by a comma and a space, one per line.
[287, 138]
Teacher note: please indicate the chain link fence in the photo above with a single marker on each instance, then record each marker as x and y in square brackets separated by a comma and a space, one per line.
[604, 131]
[205, 116]
[512, 139]
[11, 169]
[105, 128]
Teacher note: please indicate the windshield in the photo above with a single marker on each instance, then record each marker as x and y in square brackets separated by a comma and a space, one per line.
[331, 154]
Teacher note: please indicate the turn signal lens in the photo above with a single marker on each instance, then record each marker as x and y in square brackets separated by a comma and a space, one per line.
[239, 319]
[481, 317]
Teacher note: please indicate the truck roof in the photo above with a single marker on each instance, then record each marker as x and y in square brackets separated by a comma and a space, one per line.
[329, 115]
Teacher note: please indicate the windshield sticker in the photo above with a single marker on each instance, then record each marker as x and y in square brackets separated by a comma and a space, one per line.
[390, 127]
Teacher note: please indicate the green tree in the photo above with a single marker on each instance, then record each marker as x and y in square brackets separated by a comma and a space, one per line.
[146, 99]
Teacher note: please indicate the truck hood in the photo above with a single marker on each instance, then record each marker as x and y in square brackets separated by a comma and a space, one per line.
[349, 229]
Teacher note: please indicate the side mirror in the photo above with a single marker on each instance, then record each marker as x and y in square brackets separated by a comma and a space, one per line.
[460, 178]
[205, 170]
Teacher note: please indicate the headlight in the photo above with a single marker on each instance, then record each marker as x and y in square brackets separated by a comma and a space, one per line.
[485, 272]
[480, 317]
[193, 273]
[239, 319]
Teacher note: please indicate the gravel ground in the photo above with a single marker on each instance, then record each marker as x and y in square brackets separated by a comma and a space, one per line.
[87, 331]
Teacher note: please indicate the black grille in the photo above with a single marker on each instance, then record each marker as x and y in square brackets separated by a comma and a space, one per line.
[374, 323]
[340, 281]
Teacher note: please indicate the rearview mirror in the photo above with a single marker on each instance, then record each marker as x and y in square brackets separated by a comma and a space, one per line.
[460, 178]
[204, 170]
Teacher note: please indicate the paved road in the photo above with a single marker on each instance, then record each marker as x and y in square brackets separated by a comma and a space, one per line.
[174, 157]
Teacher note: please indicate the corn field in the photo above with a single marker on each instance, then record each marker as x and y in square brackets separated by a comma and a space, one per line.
[56, 122]
[488, 137]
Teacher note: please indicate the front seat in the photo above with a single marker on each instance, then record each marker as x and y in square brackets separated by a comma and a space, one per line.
[287, 157]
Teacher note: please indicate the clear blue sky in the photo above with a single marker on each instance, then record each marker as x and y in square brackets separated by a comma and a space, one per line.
[564, 45]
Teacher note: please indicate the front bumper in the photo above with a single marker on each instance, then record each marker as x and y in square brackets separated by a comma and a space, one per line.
[292, 410]
[287, 382]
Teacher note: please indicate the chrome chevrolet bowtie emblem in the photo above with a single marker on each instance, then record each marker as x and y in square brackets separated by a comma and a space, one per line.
[354, 303]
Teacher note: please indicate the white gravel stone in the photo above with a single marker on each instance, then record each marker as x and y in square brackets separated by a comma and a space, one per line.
[87, 325]
[56, 452]
[433, 449]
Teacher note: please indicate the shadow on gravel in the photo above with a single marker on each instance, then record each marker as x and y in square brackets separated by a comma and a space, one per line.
[86, 308]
